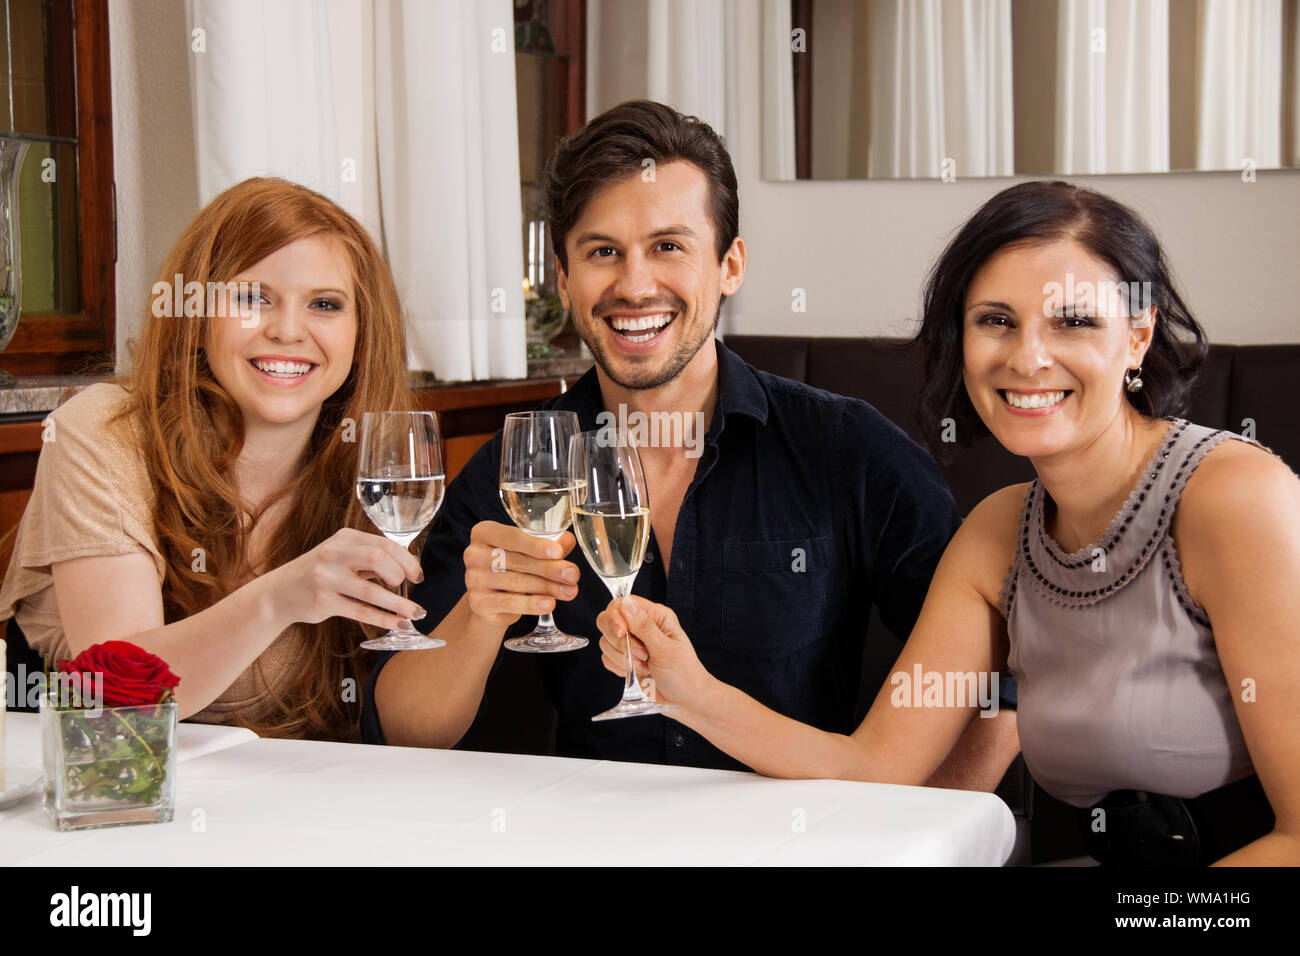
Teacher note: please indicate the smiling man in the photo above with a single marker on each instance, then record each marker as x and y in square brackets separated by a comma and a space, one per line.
[803, 510]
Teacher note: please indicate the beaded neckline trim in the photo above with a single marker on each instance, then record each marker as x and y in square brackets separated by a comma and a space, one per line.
[1076, 597]
[1120, 523]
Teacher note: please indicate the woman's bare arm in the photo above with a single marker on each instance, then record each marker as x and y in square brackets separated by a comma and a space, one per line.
[959, 631]
[117, 597]
[1238, 530]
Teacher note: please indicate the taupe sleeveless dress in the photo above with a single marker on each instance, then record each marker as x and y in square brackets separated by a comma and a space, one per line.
[1119, 683]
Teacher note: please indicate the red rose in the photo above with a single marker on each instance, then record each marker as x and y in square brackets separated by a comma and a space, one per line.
[132, 677]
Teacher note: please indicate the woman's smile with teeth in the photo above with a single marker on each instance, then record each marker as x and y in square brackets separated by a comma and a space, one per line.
[1033, 399]
[282, 369]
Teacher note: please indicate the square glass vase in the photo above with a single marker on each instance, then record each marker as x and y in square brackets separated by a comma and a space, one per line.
[108, 767]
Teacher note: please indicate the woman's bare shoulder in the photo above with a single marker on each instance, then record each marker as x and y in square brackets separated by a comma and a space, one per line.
[1239, 509]
[985, 545]
[1237, 480]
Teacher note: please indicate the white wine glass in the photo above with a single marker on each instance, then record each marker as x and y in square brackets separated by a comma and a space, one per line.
[400, 481]
[611, 520]
[535, 486]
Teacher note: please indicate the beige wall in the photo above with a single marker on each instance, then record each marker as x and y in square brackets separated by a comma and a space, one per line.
[153, 147]
[860, 249]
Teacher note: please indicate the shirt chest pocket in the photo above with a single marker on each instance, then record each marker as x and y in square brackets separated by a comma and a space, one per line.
[773, 595]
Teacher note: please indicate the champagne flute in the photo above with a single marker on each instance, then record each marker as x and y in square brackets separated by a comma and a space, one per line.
[399, 484]
[611, 519]
[535, 487]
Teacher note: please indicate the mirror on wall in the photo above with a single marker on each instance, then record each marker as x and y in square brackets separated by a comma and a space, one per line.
[949, 89]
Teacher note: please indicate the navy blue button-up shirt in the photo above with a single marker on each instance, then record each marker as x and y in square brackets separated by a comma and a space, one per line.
[805, 509]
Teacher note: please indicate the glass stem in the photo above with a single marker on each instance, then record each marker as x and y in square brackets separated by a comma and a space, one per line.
[631, 686]
[401, 590]
[405, 542]
[545, 623]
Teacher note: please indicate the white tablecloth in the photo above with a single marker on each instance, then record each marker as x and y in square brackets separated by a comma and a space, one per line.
[307, 803]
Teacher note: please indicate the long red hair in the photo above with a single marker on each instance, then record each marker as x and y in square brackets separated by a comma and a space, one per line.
[193, 432]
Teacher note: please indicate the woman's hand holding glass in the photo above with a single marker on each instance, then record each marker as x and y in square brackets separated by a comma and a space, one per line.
[400, 485]
[661, 651]
[341, 576]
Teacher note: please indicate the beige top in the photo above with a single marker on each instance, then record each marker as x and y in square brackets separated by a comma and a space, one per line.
[93, 496]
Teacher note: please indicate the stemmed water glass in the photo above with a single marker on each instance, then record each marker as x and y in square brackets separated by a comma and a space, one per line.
[535, 486]
[611, 520]
[400, 482]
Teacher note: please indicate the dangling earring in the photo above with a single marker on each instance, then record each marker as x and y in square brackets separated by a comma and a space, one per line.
[1133, 379]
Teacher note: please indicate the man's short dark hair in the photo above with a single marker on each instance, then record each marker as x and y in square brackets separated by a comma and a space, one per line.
[616, 144]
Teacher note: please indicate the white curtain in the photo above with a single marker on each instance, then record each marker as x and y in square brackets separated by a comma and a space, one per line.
[262, 84]
[977, 56]
[353, 72]
[679, 52]
[403, 111]
[1112, 86]
[941, 82]
[1239, 89]
[778, 91]
[449, 182]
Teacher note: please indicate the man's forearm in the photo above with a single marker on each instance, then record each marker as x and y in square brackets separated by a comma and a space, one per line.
[430, 698]
[982, 755]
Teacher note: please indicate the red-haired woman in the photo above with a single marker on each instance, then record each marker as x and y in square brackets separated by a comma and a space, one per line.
[203, 507]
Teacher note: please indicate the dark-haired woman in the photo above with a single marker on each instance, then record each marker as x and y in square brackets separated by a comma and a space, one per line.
[1149, 613]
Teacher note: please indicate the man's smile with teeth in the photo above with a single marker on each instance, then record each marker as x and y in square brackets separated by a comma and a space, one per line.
[640, 328]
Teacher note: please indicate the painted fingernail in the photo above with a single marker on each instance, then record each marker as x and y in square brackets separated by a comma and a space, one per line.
[404, 624]
[419, 615]
[421, 577]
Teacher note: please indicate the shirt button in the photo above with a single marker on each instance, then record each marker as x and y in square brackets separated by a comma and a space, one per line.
[679, 741]
[649, 557]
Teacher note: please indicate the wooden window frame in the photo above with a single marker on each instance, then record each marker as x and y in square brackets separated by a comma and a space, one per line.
[46, 343]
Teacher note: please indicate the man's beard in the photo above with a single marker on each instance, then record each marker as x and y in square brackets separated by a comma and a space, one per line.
[651, 378]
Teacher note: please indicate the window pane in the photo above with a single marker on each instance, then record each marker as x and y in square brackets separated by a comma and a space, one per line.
[47, 206]
[43, 67]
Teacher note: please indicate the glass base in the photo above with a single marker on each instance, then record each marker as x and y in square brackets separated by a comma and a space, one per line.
[635, 708]
[410, 640]
[545, 642]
